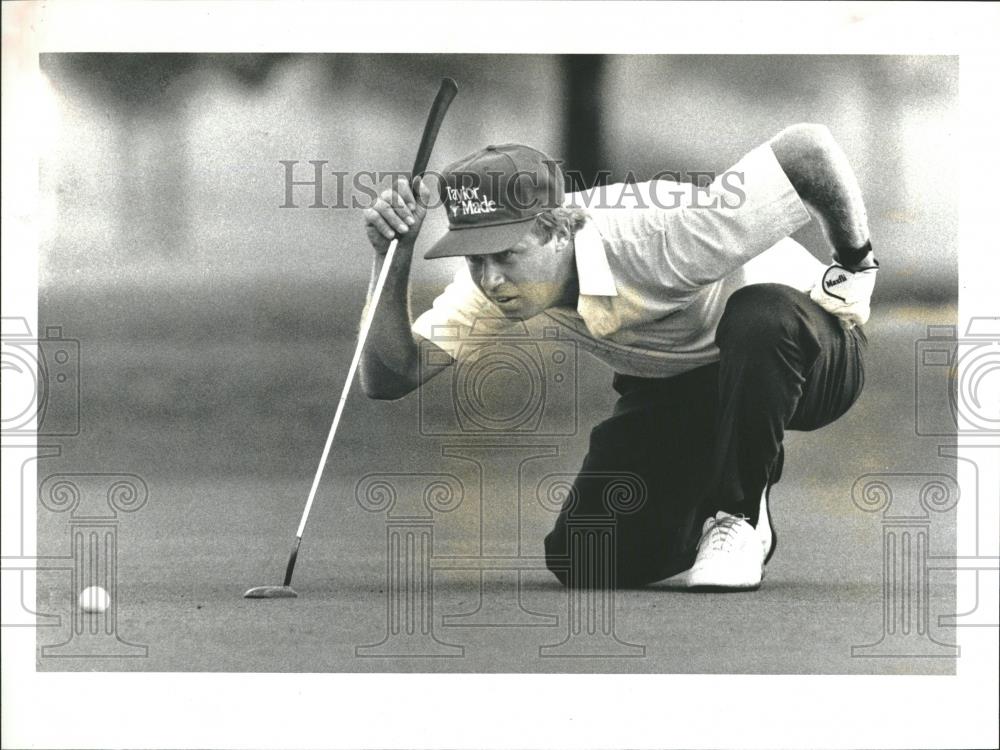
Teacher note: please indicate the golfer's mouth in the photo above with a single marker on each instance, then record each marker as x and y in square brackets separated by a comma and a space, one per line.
[505, 301]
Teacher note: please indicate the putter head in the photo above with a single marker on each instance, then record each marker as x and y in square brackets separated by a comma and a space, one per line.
[270, 592]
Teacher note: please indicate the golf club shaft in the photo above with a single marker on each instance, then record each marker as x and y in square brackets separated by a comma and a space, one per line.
[442, 101]
[351, 372]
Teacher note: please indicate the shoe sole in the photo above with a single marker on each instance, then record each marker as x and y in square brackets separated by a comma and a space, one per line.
[715, 587]
[712, 589]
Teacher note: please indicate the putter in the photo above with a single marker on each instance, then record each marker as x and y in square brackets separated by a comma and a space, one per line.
[442, 101]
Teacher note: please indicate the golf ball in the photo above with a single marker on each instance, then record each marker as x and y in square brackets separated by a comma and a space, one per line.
[94, 599]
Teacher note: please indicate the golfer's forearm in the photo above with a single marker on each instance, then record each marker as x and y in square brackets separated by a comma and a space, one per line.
[822, 176]
[389, 362]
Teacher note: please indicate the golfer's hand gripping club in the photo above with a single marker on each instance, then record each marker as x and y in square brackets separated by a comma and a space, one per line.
[397, 214]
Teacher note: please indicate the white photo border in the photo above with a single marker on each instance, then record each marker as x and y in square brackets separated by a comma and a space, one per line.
[454, 710]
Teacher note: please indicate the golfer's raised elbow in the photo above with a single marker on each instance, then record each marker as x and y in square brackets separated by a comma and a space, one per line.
[808, 132]
[814, 130]
[802, 143]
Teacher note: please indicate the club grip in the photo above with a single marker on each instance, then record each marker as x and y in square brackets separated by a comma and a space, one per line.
[438, 110]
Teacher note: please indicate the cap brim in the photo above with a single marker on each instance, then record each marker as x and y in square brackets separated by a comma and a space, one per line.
[479, 240]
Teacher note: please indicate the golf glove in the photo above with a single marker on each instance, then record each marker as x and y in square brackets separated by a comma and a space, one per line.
[845, 293]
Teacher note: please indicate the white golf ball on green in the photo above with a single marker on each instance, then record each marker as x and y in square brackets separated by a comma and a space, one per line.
[94, 599]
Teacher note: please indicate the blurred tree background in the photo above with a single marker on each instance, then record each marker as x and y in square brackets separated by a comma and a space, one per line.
[166, 168]
[166, 251]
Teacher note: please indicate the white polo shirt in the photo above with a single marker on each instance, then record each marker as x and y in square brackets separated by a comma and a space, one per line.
[656, 262]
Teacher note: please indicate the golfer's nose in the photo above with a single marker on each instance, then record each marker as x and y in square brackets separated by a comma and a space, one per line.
[491, 277]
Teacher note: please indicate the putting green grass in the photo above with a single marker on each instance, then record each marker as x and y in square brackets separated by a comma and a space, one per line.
[225, 433]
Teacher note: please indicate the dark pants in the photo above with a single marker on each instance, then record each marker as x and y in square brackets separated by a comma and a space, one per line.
[708, 440]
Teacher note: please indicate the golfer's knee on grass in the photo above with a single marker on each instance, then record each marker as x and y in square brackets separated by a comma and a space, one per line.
[590, 562]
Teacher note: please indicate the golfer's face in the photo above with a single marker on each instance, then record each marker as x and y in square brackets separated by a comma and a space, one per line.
[523, 280]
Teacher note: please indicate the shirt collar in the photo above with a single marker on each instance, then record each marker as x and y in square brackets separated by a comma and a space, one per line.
[592, 269]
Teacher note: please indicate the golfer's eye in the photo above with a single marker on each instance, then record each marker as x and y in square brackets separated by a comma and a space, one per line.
[505, 256]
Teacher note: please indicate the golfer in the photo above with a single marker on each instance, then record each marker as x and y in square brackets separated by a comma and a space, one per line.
[722, 331]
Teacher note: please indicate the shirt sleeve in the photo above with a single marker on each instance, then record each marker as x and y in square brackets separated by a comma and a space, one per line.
[460, 313]
[715, 230]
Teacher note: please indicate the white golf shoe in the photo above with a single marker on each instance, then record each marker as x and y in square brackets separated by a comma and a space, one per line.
[731, 554]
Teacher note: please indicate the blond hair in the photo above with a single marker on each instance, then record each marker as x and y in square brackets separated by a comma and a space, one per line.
[562, 221]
